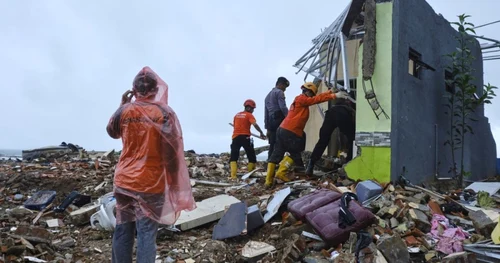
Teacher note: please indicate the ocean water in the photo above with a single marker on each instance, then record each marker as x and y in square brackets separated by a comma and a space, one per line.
[6, 153]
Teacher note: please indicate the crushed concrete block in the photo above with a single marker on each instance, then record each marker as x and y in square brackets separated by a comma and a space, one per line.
[16, 250]
[420, 219]
[254, 249]
[394, 223]
[460, 257]
[482, 223]
[33, 234]
[420, 207]
[82, 216]
[233, 223]
[393, 248]
[294, 250]
[206, 211]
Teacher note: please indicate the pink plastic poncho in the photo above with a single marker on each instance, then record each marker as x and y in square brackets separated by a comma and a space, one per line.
[151, 178]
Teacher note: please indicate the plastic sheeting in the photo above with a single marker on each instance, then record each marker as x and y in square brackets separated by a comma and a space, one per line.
[450, 239]
[151, 178]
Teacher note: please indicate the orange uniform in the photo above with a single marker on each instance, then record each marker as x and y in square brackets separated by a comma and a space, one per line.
[298, 114]
[140, 125]
[242, 123]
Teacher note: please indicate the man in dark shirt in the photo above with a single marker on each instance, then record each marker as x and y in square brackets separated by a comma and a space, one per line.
[275, 111]
[341, 115]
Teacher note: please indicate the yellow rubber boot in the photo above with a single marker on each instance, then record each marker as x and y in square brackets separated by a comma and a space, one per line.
[251, 167]
[270, 174]
[285, 165]
[234, 169]
[281, 173]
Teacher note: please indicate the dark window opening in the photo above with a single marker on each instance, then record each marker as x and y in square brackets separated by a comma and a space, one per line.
[448, 81]
[414, 67]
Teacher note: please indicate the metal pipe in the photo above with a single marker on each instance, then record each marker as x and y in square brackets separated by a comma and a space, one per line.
[344, 62]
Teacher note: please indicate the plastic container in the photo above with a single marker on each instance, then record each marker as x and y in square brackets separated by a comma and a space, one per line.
[40, 200]
[367, 189]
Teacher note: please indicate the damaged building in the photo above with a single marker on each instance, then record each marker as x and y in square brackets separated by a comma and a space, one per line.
[395, 52]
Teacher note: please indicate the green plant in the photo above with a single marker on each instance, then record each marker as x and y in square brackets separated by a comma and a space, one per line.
[463, 100]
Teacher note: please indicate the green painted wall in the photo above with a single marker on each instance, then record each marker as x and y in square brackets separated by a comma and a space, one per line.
[365, 118]
[375, 162]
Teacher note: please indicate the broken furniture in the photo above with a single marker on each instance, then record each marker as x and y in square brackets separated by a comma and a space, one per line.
[325, 221]
[302, 206]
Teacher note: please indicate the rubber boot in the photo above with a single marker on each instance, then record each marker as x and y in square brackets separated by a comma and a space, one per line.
[270, 174]
[281, 173]
[251, 167]
[234, 169]
[310, 168]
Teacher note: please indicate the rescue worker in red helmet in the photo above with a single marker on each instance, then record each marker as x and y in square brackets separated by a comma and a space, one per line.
[241, 137]
[290, 136]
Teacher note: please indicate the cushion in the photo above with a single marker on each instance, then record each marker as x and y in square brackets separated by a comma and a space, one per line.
[310, 202]
[325, 221]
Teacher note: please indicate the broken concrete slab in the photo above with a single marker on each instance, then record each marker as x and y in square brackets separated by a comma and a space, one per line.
[233, 223]
[275, 204]
[420, 219]
[254, 249]
[460, 257]
[33, 234]
[82, 215]
[482, 223]
[393, 248]
[206, 211]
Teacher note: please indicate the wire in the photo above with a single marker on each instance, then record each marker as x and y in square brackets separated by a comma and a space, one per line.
[491, 23]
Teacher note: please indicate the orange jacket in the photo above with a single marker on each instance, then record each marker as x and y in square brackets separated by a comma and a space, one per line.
[298, 114]
[143, 161]
[242, 123]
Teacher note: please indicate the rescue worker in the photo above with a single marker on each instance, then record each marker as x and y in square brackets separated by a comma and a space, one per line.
[275, 111]
[241, 137]
[151, 181]
[341, 115]
[290, 134]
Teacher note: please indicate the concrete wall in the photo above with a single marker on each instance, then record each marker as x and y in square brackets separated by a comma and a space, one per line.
[372, 134]
[417, 104]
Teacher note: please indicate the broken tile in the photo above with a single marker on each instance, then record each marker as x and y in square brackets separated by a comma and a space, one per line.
[233, 222]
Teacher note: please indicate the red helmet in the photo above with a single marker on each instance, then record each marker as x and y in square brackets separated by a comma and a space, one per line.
[250, 103]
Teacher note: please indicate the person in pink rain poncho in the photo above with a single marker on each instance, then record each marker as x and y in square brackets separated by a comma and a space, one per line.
[151, 182]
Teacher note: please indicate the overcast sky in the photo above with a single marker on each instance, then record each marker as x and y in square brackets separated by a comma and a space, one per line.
[65, 64]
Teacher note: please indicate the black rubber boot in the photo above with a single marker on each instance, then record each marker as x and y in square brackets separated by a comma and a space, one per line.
[310, 168]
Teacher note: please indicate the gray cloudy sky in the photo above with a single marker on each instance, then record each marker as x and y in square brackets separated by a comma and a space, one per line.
[65, 64]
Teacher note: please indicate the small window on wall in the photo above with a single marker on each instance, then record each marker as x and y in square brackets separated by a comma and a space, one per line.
[413, 66]
[448, 78]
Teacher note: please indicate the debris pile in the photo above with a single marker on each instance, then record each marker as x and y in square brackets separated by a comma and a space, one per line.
[62, 211]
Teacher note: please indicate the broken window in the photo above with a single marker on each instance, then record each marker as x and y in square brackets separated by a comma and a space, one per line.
[413, 63]
[448, 82]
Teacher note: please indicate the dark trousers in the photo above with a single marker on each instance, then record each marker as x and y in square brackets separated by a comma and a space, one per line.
[334, 118]
[287, 141]
[272, 143]
[245, 142]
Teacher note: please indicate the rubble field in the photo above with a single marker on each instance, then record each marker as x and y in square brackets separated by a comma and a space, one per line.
[50, 212]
